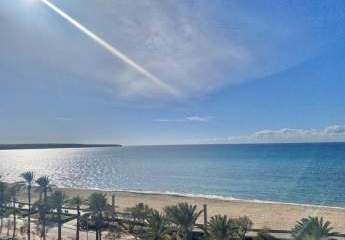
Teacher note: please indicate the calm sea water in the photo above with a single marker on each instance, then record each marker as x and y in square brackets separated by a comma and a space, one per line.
[295, 173]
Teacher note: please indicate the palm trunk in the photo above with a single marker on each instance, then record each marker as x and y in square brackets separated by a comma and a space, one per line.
[100, 229]
[14, 219]
[59, 224]
[2, 216]
[78, 222]
[188, 235]
[8, 226]
[29, 213]
[44, 215]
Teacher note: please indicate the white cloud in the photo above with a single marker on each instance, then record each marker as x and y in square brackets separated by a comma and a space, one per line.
[111, 49]
[330, 133]
[335, 130]
[185, 119]
[194, 53]
[197, 119]
[64, 119]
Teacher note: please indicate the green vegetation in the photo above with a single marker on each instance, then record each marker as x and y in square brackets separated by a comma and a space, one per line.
[42, 205]
[222, 228]
[312, 228]
[99, 209]
[76, 202]
[157, 225]
[3, 201]
[28, 182]
[177, 222]
[56, 201]
[184, 217]
[13, 191]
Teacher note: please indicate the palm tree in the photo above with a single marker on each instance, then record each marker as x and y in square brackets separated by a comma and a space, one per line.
[312, 228]
[157, 226]
[3, 201]
[28, 178]
[184, 216]
[139, 213]
[77, 202]
[13, 191]
[56, 201]
[43, 187]
[39, 231]
[98, 207]
[243, 224]
[221, 228]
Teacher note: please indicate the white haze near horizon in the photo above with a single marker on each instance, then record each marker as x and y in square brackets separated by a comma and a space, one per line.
[332, 133]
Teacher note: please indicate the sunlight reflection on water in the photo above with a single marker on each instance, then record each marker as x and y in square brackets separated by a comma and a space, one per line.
[287, 173]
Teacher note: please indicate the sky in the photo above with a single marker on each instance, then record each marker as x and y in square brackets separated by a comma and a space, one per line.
[172, 71]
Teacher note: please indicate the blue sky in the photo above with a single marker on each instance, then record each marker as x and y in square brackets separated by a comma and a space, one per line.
[242, 71]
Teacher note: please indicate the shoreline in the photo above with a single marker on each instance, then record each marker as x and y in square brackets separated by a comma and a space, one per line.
[205, 196]
[264, 214]
[272, 215]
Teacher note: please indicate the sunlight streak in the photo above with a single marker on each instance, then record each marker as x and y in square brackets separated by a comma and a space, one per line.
[115, 52]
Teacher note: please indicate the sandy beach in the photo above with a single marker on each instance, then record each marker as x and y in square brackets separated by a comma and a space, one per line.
[275, 216]
[278, 216]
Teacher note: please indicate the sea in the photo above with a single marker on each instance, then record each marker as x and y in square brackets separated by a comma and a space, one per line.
[312, 174]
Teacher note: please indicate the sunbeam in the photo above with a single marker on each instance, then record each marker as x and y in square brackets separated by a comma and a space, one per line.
[115, 52]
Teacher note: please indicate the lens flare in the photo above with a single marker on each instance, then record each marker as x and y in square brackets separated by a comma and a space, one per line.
[115, 52]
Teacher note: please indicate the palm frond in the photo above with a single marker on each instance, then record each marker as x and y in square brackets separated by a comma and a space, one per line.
[183, 216]
[312, 228]
[28, 177]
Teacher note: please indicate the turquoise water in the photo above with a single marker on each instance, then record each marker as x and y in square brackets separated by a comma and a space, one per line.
[294, 173]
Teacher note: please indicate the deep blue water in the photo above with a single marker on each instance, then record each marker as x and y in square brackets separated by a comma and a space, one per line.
[295, 173]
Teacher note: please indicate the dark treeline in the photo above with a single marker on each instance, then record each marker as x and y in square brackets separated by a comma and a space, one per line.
[52, 146]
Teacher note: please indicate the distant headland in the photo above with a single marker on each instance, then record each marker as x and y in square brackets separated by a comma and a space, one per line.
[53, 145]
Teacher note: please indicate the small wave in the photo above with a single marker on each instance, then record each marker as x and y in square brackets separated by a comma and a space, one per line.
[212, 196]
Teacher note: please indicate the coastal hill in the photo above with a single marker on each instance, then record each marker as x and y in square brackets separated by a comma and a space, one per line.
[53, 145]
